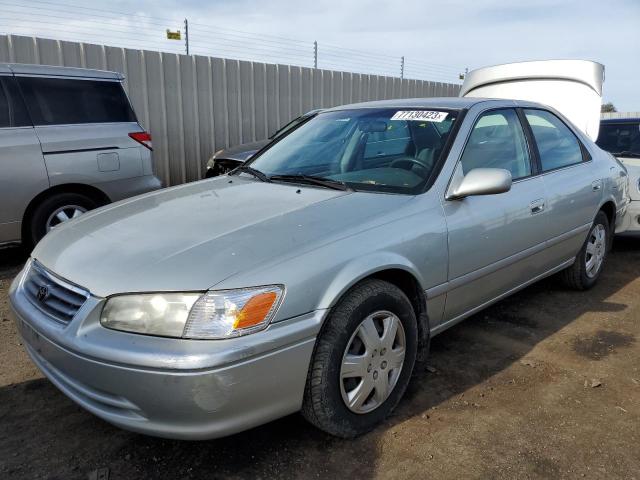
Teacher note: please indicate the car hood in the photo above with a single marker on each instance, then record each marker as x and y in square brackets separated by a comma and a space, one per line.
[194, 236]
[242, 152]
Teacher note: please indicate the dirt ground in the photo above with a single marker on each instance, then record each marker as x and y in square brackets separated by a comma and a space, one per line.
[545, 384]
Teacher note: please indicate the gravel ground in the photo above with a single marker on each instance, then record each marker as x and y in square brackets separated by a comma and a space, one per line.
[545, 384]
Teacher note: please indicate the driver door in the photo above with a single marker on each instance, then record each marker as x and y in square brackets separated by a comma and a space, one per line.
[495, 241]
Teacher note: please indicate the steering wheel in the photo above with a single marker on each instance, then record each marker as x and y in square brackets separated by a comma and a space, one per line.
[406, 161]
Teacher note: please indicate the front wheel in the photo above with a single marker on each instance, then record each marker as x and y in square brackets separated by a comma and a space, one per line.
[363, 360]
[586, 270]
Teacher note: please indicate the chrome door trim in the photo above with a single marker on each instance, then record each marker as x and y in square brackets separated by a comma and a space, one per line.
[503, 263]
[567, 235]
[484, 271]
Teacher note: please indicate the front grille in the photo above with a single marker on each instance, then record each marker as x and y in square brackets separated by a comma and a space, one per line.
[54, 296]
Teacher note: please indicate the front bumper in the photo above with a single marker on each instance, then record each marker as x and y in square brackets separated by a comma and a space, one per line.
[211, 389]
[631, 220]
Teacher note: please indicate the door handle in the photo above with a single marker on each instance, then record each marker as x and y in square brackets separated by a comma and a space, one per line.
[596, 185]
[537, 206]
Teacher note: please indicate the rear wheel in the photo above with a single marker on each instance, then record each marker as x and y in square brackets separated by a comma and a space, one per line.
[586, 270]
[363, 360]
[55, 210]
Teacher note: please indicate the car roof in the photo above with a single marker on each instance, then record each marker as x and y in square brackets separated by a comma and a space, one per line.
[455, 103]
[621, 120]
[55, 71]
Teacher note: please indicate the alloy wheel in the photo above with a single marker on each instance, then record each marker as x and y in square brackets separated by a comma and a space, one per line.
[62, 214]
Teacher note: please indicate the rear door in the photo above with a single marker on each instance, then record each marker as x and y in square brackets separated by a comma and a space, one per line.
[572, 87]
[83, 126]
[22, 170]
[572, 189]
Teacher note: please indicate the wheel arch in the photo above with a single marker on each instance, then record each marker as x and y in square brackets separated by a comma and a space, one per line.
[93, 193]
[609, 209]
[399, 272]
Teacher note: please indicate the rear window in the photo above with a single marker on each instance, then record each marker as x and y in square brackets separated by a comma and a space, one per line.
[61, 101]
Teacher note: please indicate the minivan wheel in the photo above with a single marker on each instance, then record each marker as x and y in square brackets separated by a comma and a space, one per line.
[586, 270]
[363, 360]
[57, 209]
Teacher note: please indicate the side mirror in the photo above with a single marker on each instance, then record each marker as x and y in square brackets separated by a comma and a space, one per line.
[481, 181]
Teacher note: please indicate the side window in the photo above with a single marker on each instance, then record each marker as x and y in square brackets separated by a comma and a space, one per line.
[557, 145]
[60, 101]
[4, 110]
[12, 104]
[498, 141]
[392, 142]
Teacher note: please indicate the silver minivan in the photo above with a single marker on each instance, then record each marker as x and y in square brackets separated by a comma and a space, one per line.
[69, 142]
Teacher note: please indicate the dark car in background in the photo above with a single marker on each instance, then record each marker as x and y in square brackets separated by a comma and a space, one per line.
[226, 159]
[621, 138]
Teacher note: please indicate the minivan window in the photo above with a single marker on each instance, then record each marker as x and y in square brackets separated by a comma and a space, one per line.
[497, 141]
[620, 138]
[15, 109]
[4, 110]
[557, 145]
[391, 150]
[61, 101]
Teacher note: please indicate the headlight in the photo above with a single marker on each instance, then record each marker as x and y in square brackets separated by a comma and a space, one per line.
[210, 315]
[212, 159]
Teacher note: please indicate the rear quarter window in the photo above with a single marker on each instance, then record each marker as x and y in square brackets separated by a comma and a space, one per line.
[61, 101]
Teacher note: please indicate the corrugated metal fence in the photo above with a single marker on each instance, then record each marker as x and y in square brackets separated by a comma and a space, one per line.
[195, 105]
[608, 115]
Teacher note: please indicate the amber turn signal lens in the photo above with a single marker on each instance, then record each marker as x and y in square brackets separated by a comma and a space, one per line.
[255, 310]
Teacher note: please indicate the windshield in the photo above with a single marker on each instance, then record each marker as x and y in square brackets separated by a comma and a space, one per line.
[620, 138]
[387, 150]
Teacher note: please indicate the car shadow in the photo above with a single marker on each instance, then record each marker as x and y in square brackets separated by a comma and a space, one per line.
[12, 259]
[44, 433]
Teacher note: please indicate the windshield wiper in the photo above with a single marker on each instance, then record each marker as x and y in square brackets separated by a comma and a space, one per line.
[313, 180]
[251, 171]
[626, 153]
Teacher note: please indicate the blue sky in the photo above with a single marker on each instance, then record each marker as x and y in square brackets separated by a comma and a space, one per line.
[437, 38]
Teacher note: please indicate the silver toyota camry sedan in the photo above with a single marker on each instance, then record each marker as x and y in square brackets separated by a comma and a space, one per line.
[313, 276]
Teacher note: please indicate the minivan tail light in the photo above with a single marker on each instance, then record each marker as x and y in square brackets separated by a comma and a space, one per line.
[143, 138]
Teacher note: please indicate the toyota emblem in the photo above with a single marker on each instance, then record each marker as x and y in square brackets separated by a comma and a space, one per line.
[43, 293]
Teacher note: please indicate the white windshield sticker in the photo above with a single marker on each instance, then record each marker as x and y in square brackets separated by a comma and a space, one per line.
[420, 115]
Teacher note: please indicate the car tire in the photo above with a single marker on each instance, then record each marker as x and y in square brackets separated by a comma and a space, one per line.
[580, 276]
[372, 302]
[60, 202]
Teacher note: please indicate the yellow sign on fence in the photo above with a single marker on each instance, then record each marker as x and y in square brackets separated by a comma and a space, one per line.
[173, 35]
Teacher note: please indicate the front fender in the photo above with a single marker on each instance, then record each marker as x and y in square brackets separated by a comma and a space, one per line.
[362, 267]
